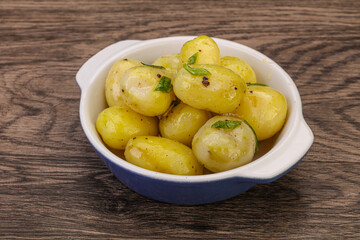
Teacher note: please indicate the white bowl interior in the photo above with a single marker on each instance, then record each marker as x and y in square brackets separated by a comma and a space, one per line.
[266, 70]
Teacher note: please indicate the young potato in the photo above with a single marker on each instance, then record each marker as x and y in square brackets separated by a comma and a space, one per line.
[265, 109]
[220, 92]
[220, 149]
[240, 67]
[182, 122]
[207, 49]
[112, 84]
[170, 62]
[139, 89]
[162, 155]
[117, 124]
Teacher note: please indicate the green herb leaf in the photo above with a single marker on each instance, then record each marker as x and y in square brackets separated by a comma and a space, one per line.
[175, 102]
[257, 144]
[196, 71]
[256, 84]
[193, 58]
[227, 124]
[154, 66]
[164, 85]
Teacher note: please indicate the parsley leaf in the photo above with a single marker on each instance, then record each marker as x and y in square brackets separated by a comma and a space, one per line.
[154, 66]
[256, 84]
[227, 124]
[164, 85]
[193, 58]
[257, 144]
[196, 71]
[175, 102]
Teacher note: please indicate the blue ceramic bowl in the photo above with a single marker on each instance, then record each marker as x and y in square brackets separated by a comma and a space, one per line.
[276, 157]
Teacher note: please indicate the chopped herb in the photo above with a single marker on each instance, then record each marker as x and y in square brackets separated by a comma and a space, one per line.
[175, 102]
[164, 85]
[172, 105]
[193, 58]
[256, 84]
[227, 124]
[196, 71]
[154, 66]
[257, 144]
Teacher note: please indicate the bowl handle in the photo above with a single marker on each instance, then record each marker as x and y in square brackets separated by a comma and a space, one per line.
[89, 68]
[268, 170]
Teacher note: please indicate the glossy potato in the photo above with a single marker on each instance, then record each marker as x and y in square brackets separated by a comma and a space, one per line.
[219, 92]
[265, 109]
[221, 149]
[112, 83]
[117, 124]
[182, 122]
[162, 155]
[138, 90]
[240, 67]
[170, 62]
[207, 49]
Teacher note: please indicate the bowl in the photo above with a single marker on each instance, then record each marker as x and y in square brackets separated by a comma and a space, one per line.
[277, 156]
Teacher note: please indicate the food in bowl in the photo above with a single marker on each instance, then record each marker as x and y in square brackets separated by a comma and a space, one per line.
[184, 90]
[182, 122]
[276, 156]
[264, 108]
[118, 124]
[153, 153]
[112, 83]
[224, 143]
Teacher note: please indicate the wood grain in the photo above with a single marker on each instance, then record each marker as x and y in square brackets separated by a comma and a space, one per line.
[54, 186]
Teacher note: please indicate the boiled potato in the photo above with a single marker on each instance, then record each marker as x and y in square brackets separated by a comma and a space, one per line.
[162, 155]
[219, 92]
[182, 122]
[265, 109]
[240, 67]
[112, 83]
[170, 62]
[117, 124]
[139, 90]
[207, 49]
[220, 148]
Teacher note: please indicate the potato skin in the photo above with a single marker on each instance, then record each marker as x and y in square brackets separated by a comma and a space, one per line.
[117, 124]
[240, 67]
[224, 149]
[182, 122]
[207, 49]
[162, 155]
[112, 83]
[223, 93]
[265, 109]
[170, 62]
[138, 90]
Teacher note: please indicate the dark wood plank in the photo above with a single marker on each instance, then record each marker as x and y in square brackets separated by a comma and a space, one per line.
[53, 185]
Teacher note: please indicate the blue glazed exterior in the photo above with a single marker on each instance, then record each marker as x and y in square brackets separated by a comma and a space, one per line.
[183, 193]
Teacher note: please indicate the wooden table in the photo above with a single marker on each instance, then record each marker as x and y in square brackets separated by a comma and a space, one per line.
[54, 186]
